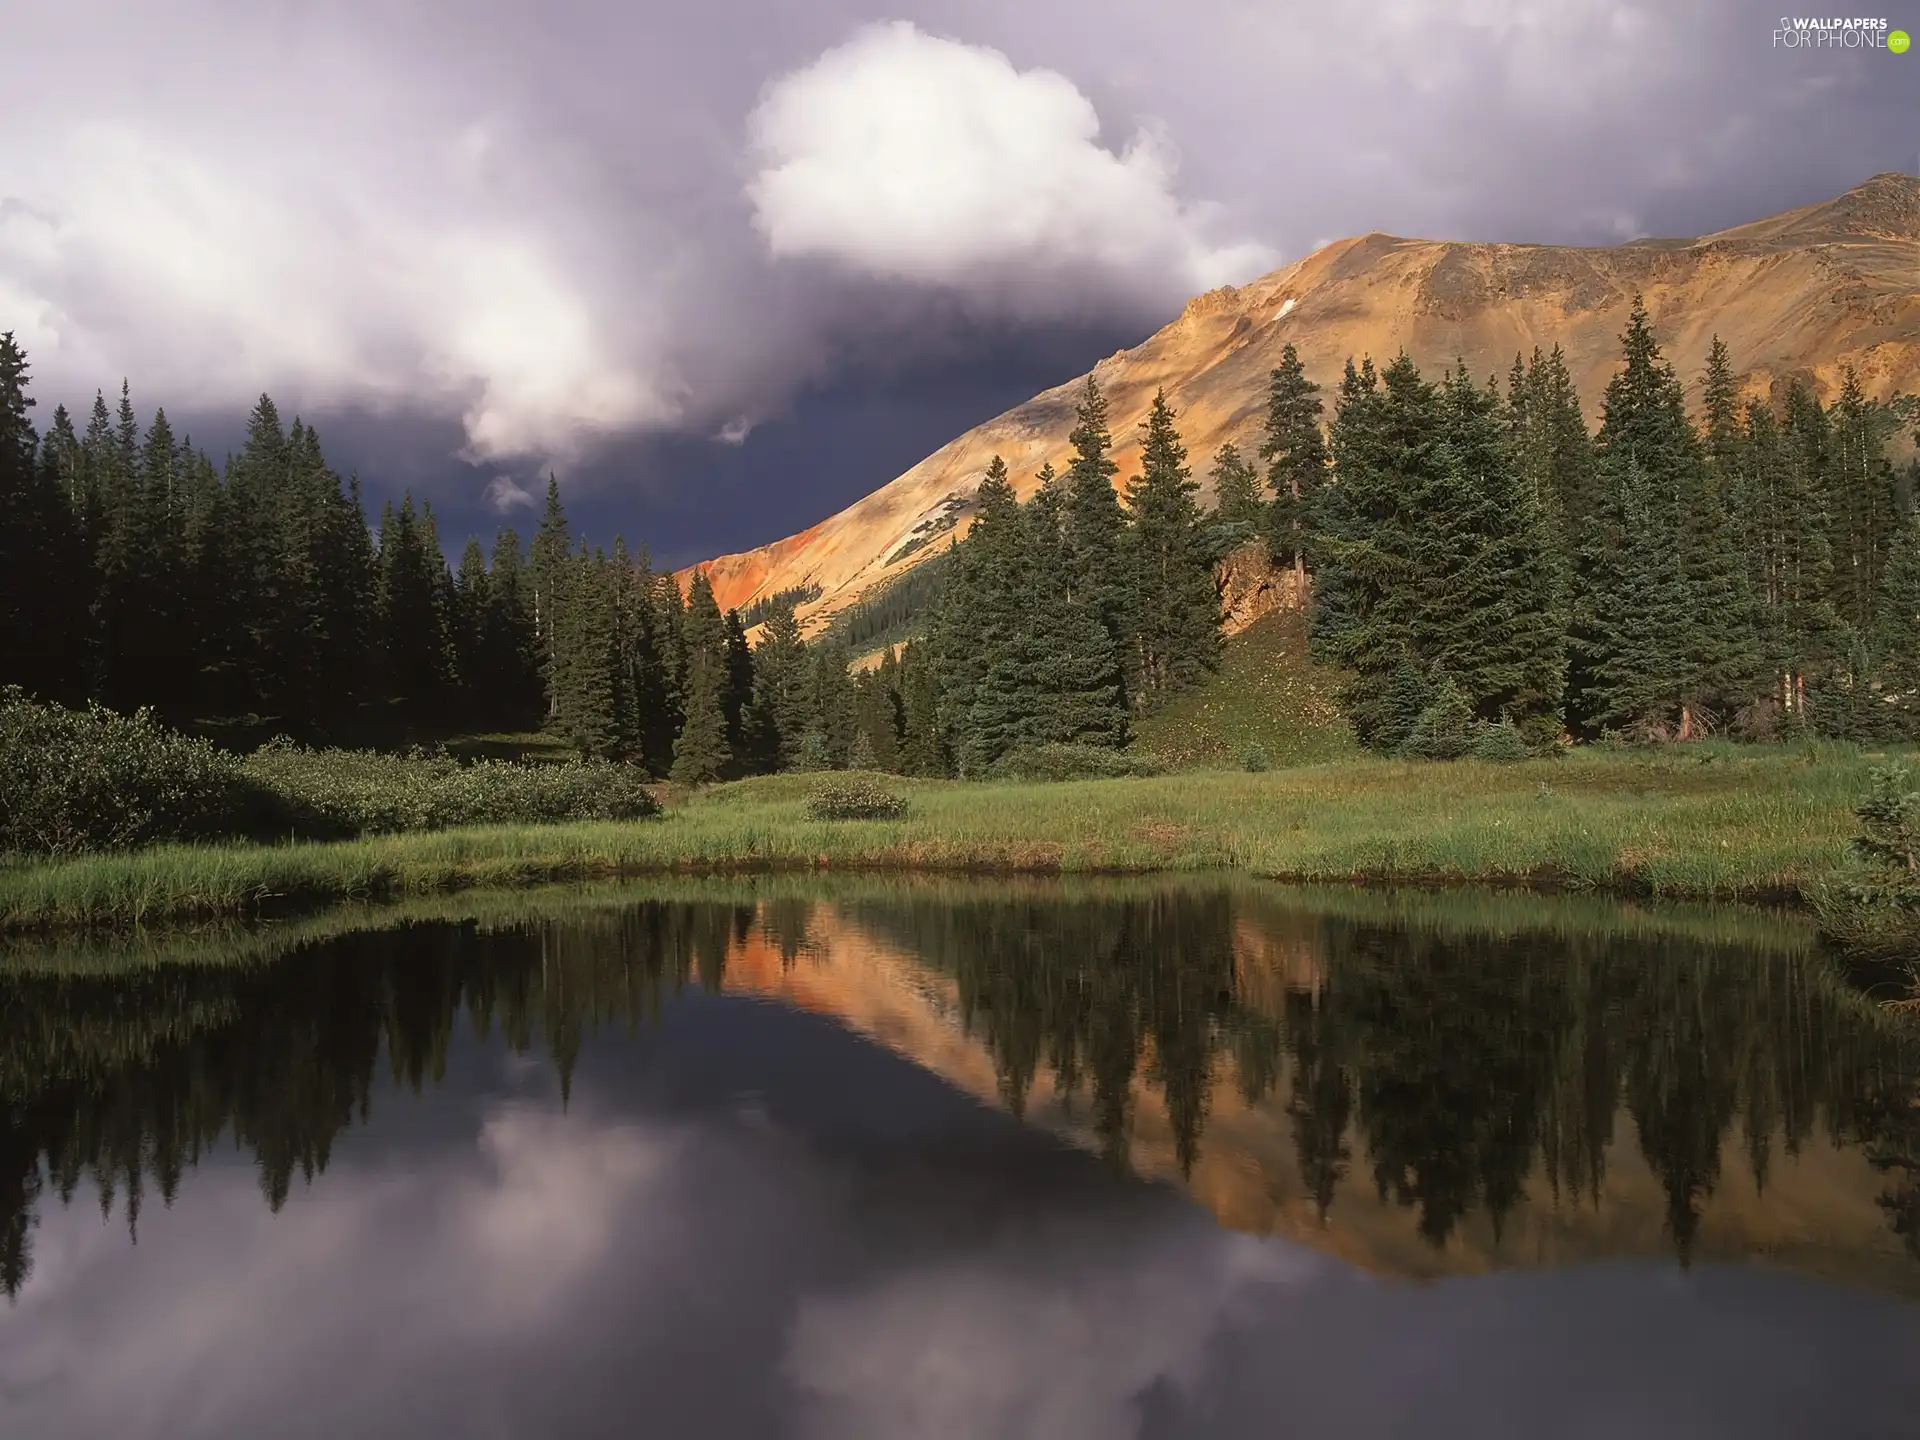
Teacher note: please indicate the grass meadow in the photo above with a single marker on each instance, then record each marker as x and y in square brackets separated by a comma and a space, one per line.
[1704, 821]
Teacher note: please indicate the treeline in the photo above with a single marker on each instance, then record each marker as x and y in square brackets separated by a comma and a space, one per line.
[1483, 567]
[1478, 557]
[255, 598]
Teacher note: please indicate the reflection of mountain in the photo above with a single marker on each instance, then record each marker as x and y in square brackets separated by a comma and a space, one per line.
[1710, 1100]
[1420, 1087]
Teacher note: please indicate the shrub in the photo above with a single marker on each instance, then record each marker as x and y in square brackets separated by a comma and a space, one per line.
[1445, 729]
[1072, 762]
[359, 792]
[93, 779]
[1255, 760]
[857, 797]
[1890, 825]
[1500, 742]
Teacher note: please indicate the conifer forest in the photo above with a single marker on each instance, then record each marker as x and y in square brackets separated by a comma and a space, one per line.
[1487, 571]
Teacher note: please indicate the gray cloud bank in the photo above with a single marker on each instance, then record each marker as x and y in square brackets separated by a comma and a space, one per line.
[564, 223]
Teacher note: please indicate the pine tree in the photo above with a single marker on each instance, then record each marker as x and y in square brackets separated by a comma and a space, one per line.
[777, 714]
[411, 626]
[738, 695]
[510, 640]
[1552, 448]
[1177, 606]
[1637, 623]
[826, 740]
[923, 747]
[21, 522]
[1097, 570]
[700, 755]
[1236, 490]
[1296, 456]
[551, 556]
[1899, 608]
[1724, 658]
[583, 684]
[1862, 503]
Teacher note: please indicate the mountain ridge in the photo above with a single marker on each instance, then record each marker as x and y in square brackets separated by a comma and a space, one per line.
[1801, 294]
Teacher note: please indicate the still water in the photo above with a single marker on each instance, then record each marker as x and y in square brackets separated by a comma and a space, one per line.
[931, 1160]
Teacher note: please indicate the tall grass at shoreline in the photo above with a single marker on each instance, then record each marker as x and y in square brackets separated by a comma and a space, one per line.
[1706, 822]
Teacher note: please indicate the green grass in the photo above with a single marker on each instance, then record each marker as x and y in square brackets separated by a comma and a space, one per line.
[1267, 693]
[1706, 822]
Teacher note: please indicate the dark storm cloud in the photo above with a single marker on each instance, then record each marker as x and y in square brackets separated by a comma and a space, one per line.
[561, 227]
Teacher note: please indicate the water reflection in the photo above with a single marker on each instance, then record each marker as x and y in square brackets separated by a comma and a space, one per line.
[1457, 1060]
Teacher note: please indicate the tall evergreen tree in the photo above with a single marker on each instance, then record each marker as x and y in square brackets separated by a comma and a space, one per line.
[1296, 454]
[701, 755]
[1177, 606]
[1097, 571]
[1637, 621]
[1236, 490]
[412, 644]
[782, 686]
[1899, 639]
[1724, 660]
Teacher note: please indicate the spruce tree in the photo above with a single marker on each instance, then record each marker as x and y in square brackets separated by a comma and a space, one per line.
[411, 626]
[20, 520]
[582, 678]
[1637, 622]
[1096, 569]
[923, 747]
[1296, 456]
[700, 755]
[551, 555]
[1862, 503]
[1727, 669]
[1177, 605]
[1236, 490]
[510, 639]
[738, 696]
[1436, 559]
[832, 718]
[777, 714]
[1899, 617]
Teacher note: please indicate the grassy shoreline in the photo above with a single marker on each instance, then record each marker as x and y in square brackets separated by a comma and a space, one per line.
[1711, 823]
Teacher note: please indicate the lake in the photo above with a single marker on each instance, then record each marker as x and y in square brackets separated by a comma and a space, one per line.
[899, 1158]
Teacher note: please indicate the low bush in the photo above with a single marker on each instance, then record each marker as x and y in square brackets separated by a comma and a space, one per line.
[1072, 762]
[93, 779]
[344, 793]
[1445, 729]
[855, 797]
[1255, 760]
[1500, 742]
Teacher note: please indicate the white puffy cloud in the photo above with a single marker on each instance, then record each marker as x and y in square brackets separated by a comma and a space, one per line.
[504, 495]
[905, 155]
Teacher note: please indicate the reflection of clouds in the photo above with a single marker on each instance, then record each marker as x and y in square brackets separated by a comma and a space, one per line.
[554, 1201]
[226, 1311]
[1003, 1344]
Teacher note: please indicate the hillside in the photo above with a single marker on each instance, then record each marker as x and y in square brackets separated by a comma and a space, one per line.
[1802, 293]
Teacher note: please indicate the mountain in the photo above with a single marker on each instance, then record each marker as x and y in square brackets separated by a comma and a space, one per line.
[1803, 293]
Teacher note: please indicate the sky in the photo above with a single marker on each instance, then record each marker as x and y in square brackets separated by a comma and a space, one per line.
[724, 268]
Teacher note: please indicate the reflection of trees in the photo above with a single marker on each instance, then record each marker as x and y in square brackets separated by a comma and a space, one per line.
[1461, 1064]
[127, 1080]
[1090, 988]
[1477, 1061]
[1452, 1065]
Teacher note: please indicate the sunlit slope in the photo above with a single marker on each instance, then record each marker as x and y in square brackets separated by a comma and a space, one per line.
[1803, 293]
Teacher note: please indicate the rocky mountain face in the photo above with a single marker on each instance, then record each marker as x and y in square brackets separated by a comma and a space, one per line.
[1804, 294]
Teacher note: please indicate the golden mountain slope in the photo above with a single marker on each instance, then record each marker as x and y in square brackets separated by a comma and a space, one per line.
[1804, 293]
